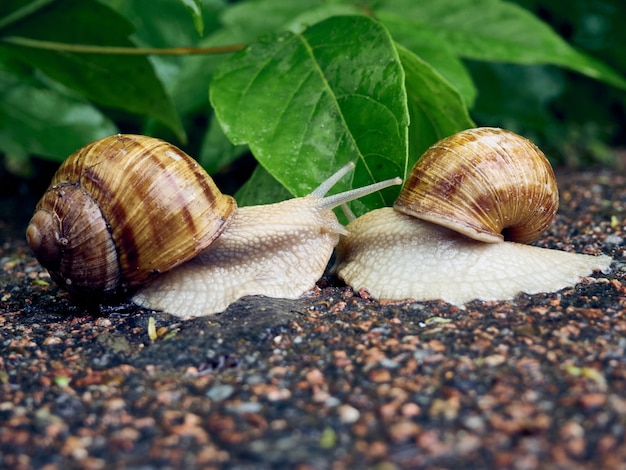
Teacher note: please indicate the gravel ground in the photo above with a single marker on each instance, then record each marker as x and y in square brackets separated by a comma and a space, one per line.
[335, 380]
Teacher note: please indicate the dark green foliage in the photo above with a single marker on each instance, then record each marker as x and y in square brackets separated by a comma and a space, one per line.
[320, 83]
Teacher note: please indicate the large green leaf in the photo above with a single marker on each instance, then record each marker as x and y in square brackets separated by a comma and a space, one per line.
[437, 110]
[124, 82]
[308, 103]
[243, 23]
[437, 53]
[253, 18]
[36, 119]
[492, 30]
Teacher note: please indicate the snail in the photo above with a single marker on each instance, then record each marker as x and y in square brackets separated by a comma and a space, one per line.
[460, 228]
[132, 215]
[106, 223]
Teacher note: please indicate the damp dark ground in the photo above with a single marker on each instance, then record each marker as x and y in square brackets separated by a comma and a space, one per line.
[335, 380]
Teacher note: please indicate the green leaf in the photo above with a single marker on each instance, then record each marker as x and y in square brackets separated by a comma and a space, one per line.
[168, 24]
[309, 103]
[260, 17]
[188, 87]
[36, 119]
[240, 24]
[123, 82]
[195, 8]
[217, 151]
[493, 30]
[437, 53]
[261, 188]
[12, 11]
[437, 109]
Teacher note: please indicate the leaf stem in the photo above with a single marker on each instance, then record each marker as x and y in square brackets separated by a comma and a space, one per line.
[115, 50]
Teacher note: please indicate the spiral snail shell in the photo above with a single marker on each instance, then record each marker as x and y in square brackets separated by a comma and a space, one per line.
[132, 214]
[444, 237]
[112, 218]
[486, 183]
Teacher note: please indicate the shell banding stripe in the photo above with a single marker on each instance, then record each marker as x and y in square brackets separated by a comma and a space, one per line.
[489, 207]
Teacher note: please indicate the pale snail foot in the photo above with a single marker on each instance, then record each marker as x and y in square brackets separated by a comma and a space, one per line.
[237, 265]
[395, 256]
[205, 286]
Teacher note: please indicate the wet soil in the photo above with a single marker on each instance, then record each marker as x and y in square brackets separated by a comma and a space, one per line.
[334, 380]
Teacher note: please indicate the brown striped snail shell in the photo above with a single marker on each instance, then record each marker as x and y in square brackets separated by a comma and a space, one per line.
[486, 183]
[444, 237]
[112, 218]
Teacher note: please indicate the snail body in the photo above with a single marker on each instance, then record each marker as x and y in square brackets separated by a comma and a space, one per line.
[135, 215]
[426, 261]
[427, 253]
